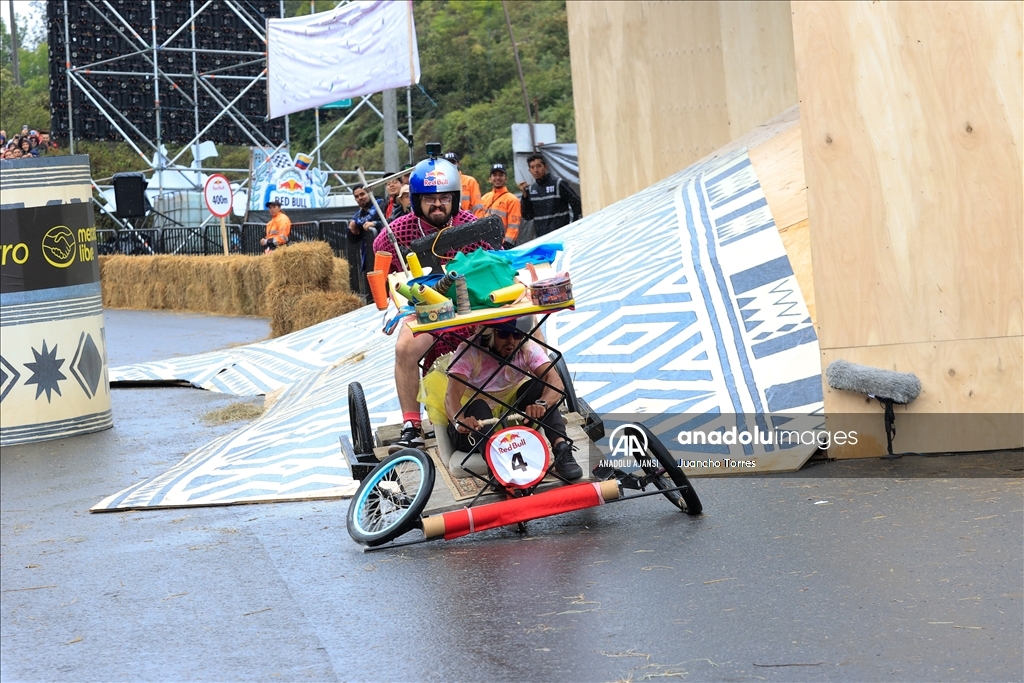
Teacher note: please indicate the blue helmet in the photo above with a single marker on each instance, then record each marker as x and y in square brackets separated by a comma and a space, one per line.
[434, 176]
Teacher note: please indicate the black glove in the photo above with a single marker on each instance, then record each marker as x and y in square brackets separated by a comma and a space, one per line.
[505, 244]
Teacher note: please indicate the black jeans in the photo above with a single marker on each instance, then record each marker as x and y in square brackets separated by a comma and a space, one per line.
[528, 393]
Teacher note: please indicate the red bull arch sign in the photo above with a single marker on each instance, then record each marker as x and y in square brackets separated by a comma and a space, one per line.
[291, 182]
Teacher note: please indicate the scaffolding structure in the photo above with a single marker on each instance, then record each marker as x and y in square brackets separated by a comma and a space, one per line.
[156, 60]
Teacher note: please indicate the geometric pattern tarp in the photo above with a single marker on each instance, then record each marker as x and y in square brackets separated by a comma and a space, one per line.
[686, 308]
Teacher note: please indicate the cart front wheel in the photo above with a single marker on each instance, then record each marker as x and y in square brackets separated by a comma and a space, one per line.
[671, 475]
[390, 499]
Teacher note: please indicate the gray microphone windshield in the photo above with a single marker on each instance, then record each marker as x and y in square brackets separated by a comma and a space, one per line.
[901, 387]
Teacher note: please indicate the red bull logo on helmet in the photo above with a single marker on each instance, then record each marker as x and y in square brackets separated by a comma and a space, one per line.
[435, 178]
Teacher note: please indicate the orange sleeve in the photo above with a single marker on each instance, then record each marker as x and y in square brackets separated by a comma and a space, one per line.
[471, 200]
[481, 212]
[477, 201]
[514, 218]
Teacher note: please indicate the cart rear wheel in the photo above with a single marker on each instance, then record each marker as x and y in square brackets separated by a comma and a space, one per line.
[672, 475]
[359, 420]
[389, 501]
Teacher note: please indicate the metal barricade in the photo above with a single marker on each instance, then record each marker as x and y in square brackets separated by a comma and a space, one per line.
[305, 232]
[191, 241]
[250, 235]
[129, 242]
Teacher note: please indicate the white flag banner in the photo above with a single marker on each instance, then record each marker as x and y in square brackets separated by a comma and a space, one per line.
[360, 48]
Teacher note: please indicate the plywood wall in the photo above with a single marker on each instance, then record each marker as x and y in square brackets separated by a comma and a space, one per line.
[655, 90]
[758, 61]
[911, 118]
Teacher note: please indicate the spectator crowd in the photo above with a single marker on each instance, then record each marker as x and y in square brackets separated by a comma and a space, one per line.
[28, 143]
[549, 201]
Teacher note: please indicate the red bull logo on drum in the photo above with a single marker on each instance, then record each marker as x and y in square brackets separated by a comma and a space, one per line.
[435, 179]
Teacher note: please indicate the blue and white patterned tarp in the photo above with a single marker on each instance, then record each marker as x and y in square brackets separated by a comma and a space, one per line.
[687, 307]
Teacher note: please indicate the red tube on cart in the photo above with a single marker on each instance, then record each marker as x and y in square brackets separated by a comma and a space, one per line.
[554, 502]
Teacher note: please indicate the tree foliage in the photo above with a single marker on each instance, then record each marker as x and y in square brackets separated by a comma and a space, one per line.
[29, 103]
[471, 93]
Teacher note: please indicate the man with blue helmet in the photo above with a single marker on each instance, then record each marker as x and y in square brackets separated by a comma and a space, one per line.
[436, 188]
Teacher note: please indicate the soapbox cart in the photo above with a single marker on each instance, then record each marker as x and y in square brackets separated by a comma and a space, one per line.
[514, 470]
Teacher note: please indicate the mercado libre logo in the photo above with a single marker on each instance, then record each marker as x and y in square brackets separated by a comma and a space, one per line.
[59, 246]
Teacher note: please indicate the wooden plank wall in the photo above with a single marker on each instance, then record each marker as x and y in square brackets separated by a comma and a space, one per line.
[659, 85]
[911, 118]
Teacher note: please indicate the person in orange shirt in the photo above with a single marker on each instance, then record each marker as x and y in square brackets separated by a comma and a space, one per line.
[470, 186]
[503, 204]
[278, 229]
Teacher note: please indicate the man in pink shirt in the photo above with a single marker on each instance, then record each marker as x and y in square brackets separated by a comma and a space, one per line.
[471, 366]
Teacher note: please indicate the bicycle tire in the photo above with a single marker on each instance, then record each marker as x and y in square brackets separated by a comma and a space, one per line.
[390, 499]
[572, 404]
[359, 420]
[686, 499]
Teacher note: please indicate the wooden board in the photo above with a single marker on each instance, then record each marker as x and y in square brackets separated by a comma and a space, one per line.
[758, 60]
[779, 165]
[911, 117]
[687, 77]
[663, 104]
[911, 120]
[965, 384]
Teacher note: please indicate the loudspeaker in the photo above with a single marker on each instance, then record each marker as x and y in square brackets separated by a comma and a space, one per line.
[130, 195]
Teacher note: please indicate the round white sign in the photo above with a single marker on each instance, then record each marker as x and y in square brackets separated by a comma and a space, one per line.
[519, 456]
[218, 195]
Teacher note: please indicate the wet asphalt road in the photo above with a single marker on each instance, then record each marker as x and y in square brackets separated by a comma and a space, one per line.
[853, 571]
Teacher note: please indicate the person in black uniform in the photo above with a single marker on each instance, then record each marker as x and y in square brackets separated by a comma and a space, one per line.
[550, 202]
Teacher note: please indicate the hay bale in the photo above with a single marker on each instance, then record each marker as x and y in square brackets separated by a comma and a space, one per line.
[269, 286]
[339, 277]
[306, 264]
[279, 303]
[294, 308]
[316, 307]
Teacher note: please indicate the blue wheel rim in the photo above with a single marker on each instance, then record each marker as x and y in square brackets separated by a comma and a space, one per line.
[362, 498]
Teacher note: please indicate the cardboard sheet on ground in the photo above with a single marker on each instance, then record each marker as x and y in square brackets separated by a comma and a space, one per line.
[687, 314]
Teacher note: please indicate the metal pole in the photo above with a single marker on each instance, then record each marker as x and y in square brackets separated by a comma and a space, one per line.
[316, 115]
[14, 47]
[287, 127]
[156, 103]
[390, 107]
[408, 115]
[522, 81]
[67, 73]
[195, 93]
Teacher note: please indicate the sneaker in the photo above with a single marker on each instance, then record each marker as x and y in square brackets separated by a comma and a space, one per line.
[565, 464]
[411, 438]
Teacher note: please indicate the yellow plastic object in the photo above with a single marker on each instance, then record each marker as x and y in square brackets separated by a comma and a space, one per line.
[428, 294]
[432, 391]
[413, 261]
[508, 294]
